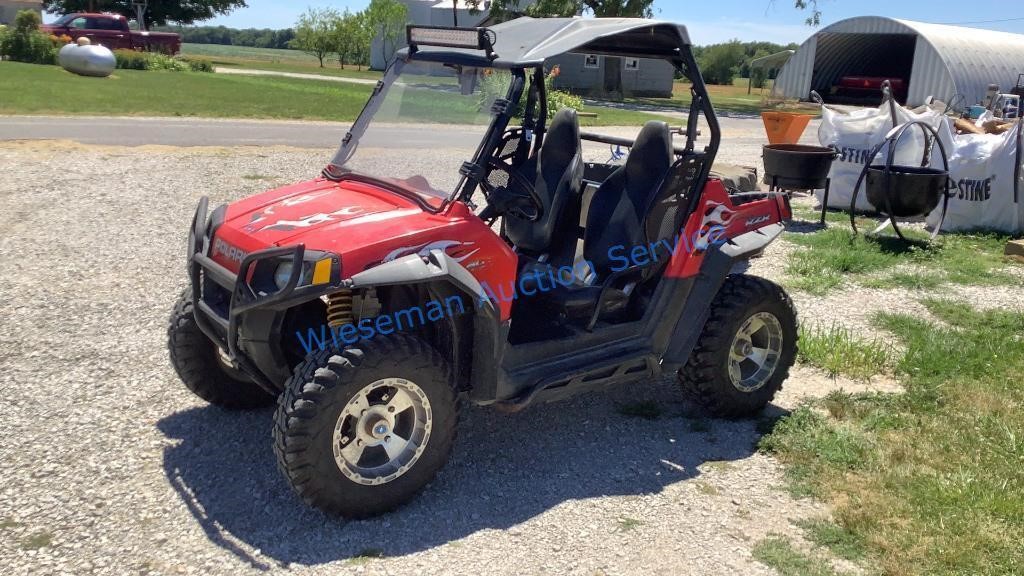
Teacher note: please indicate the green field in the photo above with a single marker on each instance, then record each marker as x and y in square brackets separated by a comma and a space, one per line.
[33, 89]
[272, 59]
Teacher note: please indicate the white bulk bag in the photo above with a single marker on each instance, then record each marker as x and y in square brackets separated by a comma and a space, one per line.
[855, 135]
[982, 167]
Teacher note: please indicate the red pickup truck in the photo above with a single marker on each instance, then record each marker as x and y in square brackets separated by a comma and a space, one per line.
[112, 31]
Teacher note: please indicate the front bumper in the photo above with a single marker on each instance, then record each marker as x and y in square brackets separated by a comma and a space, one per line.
[243, 312]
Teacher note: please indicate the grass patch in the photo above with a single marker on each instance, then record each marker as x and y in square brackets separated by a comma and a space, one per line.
[273, 59]
[37, 541]
[830, 255]
[837, 351]
[626, 524]
[779, 553]
[929, 481]
[838, 540]
[647, 409]
[31, 89]
[726, 98]
[925, 280]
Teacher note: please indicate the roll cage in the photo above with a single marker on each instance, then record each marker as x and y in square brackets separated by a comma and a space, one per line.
[530, 43]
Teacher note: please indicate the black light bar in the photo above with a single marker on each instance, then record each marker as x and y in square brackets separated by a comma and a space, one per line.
[448, 37]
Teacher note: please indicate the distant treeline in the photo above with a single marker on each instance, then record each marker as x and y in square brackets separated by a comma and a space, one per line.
[721, 63]
[252, 37]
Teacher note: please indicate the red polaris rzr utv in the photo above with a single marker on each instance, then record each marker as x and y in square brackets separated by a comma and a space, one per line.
[447, 254]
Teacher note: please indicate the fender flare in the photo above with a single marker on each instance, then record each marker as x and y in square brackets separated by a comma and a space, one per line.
[718, 264]
[436, 266]
[488, 332]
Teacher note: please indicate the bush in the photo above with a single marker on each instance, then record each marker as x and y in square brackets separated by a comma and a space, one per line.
[558, 99]
[494, 86]
[25, 43]
[131, 60]
[134, 60]
[197, 64]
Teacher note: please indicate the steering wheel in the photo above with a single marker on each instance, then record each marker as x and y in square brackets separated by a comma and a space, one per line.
[510, 194]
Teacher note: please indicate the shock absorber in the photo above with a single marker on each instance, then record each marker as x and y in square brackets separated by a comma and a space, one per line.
[339, 309]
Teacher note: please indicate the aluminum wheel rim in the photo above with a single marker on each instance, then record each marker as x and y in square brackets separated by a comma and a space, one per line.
[382, 431]
[755, 352]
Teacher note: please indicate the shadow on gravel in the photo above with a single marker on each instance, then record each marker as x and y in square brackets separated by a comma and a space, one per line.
[505, 469]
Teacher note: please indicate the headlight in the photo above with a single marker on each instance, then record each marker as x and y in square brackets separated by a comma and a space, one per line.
[313, 273]
[282, 274]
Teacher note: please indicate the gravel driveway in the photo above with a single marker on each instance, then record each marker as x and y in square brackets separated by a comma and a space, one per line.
[110, 467]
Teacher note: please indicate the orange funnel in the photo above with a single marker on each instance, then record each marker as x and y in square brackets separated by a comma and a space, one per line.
[785, 127]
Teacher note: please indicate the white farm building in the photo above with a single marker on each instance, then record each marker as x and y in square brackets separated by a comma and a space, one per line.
[843, 60]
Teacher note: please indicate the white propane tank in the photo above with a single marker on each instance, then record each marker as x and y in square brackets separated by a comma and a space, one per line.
[86, 60]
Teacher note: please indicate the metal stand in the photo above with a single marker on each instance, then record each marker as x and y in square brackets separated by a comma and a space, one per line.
[893, 138]
[774, 187]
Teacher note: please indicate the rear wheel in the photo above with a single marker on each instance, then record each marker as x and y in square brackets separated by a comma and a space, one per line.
[204, 368]
[361, 431]
[746, 349]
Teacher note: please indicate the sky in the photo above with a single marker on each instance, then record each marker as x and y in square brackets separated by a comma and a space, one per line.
[721, 20]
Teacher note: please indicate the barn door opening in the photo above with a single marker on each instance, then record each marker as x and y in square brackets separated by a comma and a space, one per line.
[850, 68]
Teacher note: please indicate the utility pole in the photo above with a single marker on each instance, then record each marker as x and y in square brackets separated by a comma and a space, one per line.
[455, 12]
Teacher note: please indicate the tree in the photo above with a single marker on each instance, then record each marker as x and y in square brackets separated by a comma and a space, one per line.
[387, 19]
[720, 63]
[815, 18]
[351, 38]
[361, 40]
[314, 33]
[158, 12]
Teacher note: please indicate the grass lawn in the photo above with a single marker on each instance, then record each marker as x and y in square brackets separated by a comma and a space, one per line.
[830, 257]
[732, 99]
[928, 481]
[273, 59]
[32, 89]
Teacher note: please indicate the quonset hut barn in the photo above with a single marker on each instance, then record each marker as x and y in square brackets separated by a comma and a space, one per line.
[845, 62]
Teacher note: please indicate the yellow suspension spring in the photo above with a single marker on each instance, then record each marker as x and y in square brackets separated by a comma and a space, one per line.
[339, 309]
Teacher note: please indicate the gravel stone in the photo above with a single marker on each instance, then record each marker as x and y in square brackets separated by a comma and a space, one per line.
[106, 454]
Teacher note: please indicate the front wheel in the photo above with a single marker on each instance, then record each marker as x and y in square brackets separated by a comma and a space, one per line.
[204, 368]
[359, 432]
[748, 345]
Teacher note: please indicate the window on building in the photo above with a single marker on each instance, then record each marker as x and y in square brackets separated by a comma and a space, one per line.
[631, 63]
[592, 61]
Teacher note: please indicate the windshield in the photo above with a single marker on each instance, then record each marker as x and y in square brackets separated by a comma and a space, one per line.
[63, 20]
[425, 125]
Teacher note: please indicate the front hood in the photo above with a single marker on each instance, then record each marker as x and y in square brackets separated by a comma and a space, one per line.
[287, 215]
[357, 221]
